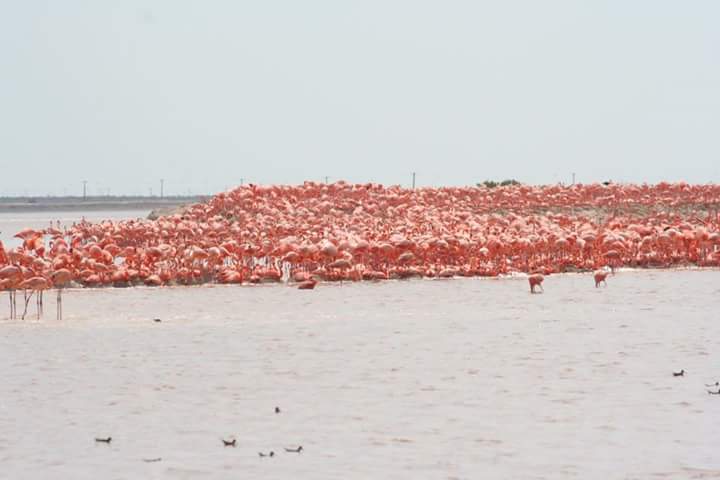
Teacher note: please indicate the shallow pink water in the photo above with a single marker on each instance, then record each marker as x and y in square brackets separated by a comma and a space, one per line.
[418, 379]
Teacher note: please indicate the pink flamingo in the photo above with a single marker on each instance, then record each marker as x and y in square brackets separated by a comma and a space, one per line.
[60, 278]
[36, 285]
[10, 278]
[600, 276]
[307, 284]
[536, 280]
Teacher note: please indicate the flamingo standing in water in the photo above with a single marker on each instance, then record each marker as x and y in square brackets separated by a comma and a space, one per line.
[10, 278]
[600, 276]
[36, 285]
[536, 280]
[60, 278]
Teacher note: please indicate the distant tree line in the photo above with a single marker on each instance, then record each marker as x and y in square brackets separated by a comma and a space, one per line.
[493, 184]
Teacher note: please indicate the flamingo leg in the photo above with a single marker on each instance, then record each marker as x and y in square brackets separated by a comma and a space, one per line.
[27, 301]
[59, 304]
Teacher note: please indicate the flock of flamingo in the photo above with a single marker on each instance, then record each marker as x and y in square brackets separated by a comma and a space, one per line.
[335, 232]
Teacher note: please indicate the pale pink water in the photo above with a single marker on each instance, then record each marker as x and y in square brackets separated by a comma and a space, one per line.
[413, 379]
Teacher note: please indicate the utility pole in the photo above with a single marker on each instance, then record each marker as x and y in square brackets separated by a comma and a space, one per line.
[413, 180]
[84, 190]
[162, 187]
[573, 178]
[242, 180]
[326, 179]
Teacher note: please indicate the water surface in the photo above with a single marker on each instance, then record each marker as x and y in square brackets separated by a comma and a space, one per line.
[471, 378]
[13, 222]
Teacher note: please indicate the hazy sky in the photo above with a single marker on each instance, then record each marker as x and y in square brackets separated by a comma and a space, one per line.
[202, 94]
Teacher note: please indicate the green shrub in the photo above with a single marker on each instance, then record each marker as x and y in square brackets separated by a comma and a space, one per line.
[493, 184]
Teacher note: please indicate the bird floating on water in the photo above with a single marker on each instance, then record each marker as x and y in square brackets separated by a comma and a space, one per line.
[271, 454]
[294, 450]
[151, 460]
[307, 284]
[716, 384]
[229, 443]
[103, 440]
[681, 373]
[277, 409]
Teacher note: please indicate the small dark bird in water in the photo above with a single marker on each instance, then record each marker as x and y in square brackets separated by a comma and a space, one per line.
[271, 454]
[716, 384]
[103, 440]
[151, 460]
[157, 320]
[713, 393]
[229, 443]
[277, 409]
[681, 373]
[294, 450]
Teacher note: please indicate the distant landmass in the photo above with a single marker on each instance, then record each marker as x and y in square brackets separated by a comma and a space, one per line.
[158, 205]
